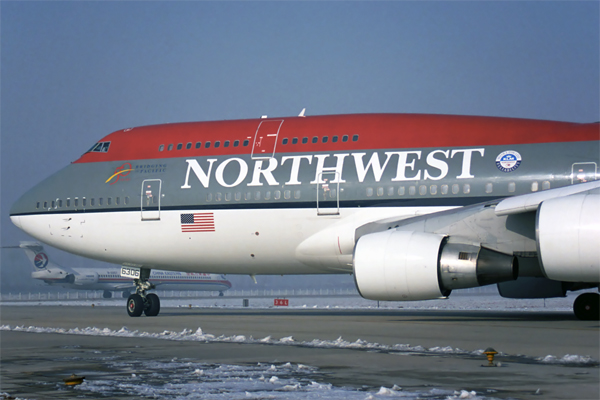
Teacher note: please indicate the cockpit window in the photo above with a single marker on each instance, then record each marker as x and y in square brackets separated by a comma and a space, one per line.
[100, 147]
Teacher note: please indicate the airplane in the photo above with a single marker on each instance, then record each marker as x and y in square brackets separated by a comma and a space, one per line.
[413, 205]
[110, 279]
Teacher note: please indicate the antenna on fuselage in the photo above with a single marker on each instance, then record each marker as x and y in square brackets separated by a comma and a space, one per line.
[302, 112]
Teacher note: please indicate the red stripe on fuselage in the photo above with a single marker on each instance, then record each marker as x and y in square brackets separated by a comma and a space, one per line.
[376, 131]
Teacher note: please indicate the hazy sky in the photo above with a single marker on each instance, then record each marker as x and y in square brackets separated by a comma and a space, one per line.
[72, 72]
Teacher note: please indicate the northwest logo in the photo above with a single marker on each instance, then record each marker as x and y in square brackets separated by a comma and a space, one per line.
[508, 161]
[120, 172]
[40, 261]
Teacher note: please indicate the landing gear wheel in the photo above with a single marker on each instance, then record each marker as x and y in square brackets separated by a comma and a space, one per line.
[152, 307]
[587, 306]
[135, 305]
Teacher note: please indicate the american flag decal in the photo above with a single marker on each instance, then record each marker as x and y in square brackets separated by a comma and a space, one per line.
[198, 222]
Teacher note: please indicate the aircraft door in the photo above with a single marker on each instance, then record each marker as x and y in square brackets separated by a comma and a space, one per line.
[328, 193]
[583, 172]
[151, 192]
[265, 139]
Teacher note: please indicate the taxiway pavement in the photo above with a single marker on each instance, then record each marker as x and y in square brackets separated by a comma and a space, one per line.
[32, 363]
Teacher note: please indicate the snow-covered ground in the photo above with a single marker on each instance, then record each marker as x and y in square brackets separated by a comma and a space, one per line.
[185, 379]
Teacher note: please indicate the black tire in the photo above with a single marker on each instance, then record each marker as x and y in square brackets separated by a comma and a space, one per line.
[152, 305]
[135, 305]
[587, 307]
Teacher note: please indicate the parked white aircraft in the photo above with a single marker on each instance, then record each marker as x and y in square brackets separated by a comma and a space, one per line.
[110, 279]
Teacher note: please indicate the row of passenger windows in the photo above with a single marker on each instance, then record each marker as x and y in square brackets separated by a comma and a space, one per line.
[445, 189]
[83, 202]
[245, 143]
[287, 194]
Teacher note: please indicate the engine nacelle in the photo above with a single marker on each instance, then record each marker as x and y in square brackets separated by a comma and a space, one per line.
[83, 279]
[400, 265]
[568, 238]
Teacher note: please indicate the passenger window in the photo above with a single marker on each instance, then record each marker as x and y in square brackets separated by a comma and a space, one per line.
[379, 191]
[325, 139]
[489, 187]
[422, 190]
[433, 189]
[226, 143]
[84, 202]
[68, 202]
[466, 188]
[170, 147]
[315, 139]
[109, 201]
[257, 195]
[126, 200]
[238, 196]
[59, 203]
[92, 202]
[545, 185]
[188, 146]
[218, 196]
[268, 195]
[345, 138]
[334, 139]
[117, 200]
[512, 187]
[304, 140]
[534, 186]
[161, 147]
[295, 140]
[248, 196]
[444, 189]
[236, 143]
[455, 188]
[217, 144]
[297, 194]
[246, 142]
[401, 191]
[390, 191]
[277, 195]
[228, 196]
[369, 191]
[412, 190]
[284, 141]
[355, 138]
[209, 197]
[45, 204]
[37, 205]
[100, 201]
[287, 194]
[179, 146]
[198, 145]
[206, 145]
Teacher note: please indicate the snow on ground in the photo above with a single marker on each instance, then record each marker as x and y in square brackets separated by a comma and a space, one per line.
[183, 379]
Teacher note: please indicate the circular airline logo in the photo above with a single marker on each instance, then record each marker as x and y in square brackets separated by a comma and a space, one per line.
[508, 161]
[40, 261]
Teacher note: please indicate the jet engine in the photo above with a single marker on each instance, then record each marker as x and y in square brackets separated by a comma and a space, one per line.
[568, 234]
[403, 265]
[83, 279]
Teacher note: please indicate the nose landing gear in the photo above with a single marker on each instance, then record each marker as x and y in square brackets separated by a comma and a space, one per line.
[140, 302]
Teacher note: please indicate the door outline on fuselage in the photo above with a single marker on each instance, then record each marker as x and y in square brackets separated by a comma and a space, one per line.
[265, 142]
[325, 192]
[150, 199]
[584, 172]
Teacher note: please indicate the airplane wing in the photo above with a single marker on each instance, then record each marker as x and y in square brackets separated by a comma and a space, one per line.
[554, 233]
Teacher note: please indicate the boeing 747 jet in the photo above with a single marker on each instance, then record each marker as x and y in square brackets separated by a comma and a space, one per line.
[414, 206]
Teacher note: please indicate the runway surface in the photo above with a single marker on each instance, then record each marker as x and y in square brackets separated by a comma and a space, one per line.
[310, 353]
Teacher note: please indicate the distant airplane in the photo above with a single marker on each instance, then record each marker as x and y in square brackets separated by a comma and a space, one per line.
[414, 206]
[110, 279]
